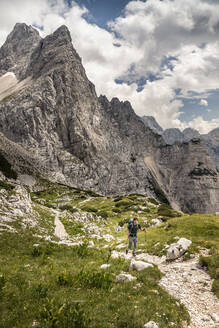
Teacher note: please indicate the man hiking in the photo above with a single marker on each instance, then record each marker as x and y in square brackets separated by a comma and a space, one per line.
[132, 230]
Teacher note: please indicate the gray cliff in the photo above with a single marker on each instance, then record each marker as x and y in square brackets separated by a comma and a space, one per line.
[152, 124]
[50, 114]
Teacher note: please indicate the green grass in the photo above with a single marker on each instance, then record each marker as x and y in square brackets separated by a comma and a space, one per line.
[202, 230]
[60, 286]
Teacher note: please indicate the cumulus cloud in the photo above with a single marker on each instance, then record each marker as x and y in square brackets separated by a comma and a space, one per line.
[203, 102]
[172, 44]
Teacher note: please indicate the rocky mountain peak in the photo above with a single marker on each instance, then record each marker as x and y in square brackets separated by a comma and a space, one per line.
[52, 52]
[16, 51]
[87, 142]
[23, 30]
[152, 124]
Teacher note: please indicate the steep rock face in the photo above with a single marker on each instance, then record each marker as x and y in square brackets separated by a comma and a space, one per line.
[172, 135]
[211, 140]
[16, 51]
[190, 133]
[82, 140]
[189, 176]
[53, 114]
[152, 124]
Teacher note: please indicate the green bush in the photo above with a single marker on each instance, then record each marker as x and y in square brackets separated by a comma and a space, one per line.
[65, 279]
[95, 279]
[116, 210]
[212, 264]
[81, 250]
[73, 228]
[2, 284]
[39, 291]
[166, 211]
[103, 214]
[89, 209]
[41, 250]
[65, 315]
[117, 199]
[153, 201]
[124, 203]
[68, 208]
[6, 186]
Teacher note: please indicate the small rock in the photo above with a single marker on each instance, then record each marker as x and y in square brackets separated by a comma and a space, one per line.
[108, 238]
[151, 324]
[125, 277]
[215, 317]
[205, 318]
[121, 246]
[140, 265]
[91, 243]
[104, 266]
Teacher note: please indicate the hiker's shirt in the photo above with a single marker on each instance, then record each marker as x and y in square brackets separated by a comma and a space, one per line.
[133, 229]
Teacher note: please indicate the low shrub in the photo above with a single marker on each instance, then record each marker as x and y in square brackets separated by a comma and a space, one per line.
[89, 209]
[103, 214]
[68, 314]
[68, 208]
[153, 201]
[6, 186]
[39, 291]
[95, 279]
[124, 203]
[166, 211]
[81, 250]
[116, 210]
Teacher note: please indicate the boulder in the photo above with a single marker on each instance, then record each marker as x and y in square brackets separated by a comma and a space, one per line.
[139, 265]
[151, 324]
[125, 277]
[176, 250]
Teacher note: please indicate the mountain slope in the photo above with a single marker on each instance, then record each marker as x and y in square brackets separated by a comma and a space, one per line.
[52, 112]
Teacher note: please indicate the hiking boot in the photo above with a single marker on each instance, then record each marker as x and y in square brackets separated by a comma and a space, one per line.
[126, 251]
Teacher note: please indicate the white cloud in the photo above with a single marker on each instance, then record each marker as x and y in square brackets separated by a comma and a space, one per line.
[201, 125]
[203, 102]
[150, 33]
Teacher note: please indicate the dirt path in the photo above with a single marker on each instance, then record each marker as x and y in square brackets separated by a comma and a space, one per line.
[61, 233]
[190, 284]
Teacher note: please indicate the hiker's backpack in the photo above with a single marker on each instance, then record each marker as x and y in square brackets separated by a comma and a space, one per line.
[130, 224]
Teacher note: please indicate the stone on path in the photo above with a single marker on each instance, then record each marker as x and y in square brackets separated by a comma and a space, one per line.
[140, 265]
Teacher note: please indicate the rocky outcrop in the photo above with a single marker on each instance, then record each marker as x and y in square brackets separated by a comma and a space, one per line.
[51, 113]
[190, 134]
[150, 122]
[173, 135]
[176, 250]
[188, 175]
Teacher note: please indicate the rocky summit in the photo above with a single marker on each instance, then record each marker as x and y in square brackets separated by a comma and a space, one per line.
[53, 125]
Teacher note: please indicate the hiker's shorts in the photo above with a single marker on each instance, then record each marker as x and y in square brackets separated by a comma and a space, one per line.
[133, 240]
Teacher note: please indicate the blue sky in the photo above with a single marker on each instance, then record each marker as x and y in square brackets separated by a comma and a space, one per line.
[102, 11]
[162, 56]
